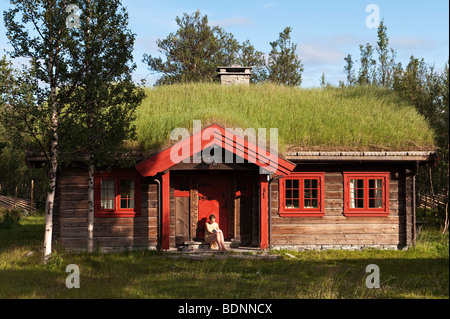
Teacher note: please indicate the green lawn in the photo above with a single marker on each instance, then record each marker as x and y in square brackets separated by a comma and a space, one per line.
[422, 272]
[361, 118]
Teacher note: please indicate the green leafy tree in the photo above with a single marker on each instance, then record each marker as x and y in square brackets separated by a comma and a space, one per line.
[386, 57]
[348, 69]
[427, 90]
[78, 83]
[367, 72]
[37, 31]
[284, 66]
[249, 56]
[101, 109]
[196, 49]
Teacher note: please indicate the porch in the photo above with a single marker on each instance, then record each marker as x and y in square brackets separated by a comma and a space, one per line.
[215, 172]
[232, 196]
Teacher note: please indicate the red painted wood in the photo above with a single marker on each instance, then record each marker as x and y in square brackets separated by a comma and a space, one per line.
[263, 197]
[117, 211]
[302, 212]
[366, 211]
[212, 199]
[215, 135]
[165, 211]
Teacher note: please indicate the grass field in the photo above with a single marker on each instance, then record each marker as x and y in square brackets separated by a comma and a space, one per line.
[361, 118]
[422, 272]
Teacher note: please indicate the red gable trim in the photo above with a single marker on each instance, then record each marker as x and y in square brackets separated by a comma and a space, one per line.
[214, 135]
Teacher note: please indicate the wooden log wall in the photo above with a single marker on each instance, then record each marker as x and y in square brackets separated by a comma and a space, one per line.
[110, 233]
[334, 230]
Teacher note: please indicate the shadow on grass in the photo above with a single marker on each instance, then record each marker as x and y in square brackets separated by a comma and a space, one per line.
[153, 275]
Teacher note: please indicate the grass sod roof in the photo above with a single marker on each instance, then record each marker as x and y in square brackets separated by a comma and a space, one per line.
[332, 119]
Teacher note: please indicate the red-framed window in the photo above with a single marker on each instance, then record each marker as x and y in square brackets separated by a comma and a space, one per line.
[117, 194]
[366, 193]
[302, 194]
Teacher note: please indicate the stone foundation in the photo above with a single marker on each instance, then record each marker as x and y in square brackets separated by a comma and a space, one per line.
[337, 247]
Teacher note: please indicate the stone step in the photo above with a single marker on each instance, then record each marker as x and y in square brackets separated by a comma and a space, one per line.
[201, 245]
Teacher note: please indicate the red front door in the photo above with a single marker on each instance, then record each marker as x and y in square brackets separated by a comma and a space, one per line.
[212, 199]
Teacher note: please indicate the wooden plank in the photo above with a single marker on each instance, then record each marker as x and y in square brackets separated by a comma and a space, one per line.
[181, 219]
[165, 211]
[73, 180]
[334, 187]
[334, 195]
[336, 178]
[66, 204]
[338, 239]
[193, 194]
[73, 172]
[72, 222]
[336, 229]
[335, 220]
[72, 212]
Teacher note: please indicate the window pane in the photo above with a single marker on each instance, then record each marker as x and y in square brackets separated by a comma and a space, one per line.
[379, 203]
[307, 203]
[379, 193]
[288, 183]
[314, 193]
[307, 183]
[315, 203]
[107, 204]
[288, 193]
[371, 203]
[295, 183]
[127, 188]
[307, 193]
[107, 197]
[295, 193]
[314, 183]
[371, 193]
[379, 183]
[360, 183]
[360, 203]
[360, 193]
[126, 193]
[295, 203]
[288, 203]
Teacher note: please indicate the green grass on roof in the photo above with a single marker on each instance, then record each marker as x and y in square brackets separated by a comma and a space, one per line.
[361, 118]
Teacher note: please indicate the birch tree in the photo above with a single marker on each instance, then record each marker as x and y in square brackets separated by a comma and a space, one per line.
[101, 109]
[37, 31]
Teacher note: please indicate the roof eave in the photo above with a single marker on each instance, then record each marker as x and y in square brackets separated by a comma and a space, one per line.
[369, 156]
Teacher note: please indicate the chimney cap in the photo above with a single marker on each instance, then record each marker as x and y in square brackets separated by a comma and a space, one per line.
[234, 66]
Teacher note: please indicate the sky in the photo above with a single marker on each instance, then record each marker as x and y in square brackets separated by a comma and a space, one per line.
[325, 31]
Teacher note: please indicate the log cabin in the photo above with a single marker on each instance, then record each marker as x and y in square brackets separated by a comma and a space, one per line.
[302, 198]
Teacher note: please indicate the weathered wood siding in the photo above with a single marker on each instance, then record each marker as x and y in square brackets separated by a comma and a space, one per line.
[334, 230]
[110, 233]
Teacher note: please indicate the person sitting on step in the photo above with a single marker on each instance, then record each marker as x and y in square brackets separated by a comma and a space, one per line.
[213, 235]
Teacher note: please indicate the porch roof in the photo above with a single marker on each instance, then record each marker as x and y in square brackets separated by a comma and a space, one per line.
[219, 136]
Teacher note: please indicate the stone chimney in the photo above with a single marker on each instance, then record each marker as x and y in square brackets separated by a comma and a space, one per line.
[234, 74]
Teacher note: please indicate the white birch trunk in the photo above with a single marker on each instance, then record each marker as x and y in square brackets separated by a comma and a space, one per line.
[51, 194]
[90, 246]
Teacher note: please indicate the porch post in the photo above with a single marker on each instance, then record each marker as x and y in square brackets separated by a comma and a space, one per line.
[165, 220]
[263, 205]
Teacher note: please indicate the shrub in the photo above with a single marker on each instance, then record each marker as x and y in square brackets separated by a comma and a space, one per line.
[9, 217]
